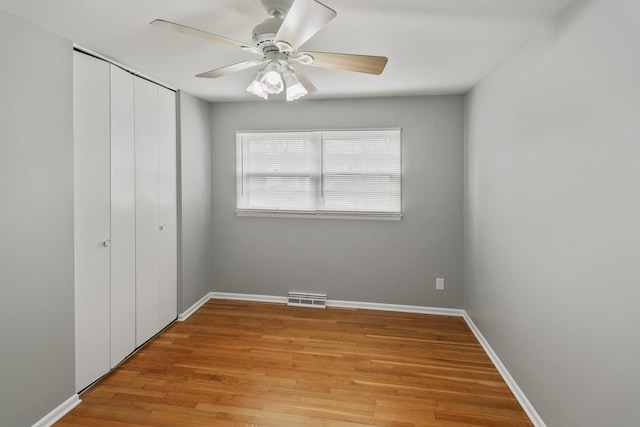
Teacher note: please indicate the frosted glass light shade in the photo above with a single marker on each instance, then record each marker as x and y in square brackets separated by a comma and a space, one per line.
[295, 89]
[256, 87]
[272, 80]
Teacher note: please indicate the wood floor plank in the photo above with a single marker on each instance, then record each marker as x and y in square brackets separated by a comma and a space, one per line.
[236, 363]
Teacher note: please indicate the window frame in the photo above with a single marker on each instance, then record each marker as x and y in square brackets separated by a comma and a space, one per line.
[318, 179]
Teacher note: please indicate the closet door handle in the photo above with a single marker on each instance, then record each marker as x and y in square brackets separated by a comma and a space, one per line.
[106, 243]
[163, 226]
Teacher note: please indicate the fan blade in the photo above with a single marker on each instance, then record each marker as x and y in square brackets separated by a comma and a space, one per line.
[343, 61]
[305, 82]
[303, 21]
[218, 72]
[161, 23]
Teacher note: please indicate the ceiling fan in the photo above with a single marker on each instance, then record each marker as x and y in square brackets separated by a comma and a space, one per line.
[277, 41]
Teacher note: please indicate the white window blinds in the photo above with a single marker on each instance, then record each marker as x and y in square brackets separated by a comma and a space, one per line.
[320, 173]
[277, 171]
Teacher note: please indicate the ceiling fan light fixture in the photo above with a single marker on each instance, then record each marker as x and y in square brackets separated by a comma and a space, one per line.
[271, 81]
[295, 89]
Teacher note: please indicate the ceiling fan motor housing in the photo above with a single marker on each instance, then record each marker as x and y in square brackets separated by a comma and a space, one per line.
[265, 32]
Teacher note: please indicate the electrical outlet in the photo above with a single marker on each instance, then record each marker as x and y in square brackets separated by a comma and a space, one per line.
[439, 284]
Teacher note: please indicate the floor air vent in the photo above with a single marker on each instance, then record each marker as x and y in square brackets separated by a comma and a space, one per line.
[299, 299]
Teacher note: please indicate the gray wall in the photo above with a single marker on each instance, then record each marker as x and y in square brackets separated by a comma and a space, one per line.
[195, 199]
[371, 261]
[36, 222]
[552, 238]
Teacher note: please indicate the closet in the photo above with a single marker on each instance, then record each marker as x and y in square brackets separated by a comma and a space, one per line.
[125, 213]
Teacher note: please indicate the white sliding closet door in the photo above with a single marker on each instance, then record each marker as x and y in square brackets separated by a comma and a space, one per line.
[125, 206]
[168, 207]
[123, 217]
[147, 215]
[92, 217]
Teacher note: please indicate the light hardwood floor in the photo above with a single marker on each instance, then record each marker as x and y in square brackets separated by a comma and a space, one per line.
[254, 364]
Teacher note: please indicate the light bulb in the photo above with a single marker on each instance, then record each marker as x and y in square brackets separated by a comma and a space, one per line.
[272, 80]
[272, 77]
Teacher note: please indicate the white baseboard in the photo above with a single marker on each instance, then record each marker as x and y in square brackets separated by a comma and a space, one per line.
[249, 297]
[506, 376]
[230, 296]
[345, 304]
[52, 417]
[396, 307]
[188, 312]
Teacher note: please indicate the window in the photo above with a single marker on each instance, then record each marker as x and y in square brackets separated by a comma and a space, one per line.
[350, 173]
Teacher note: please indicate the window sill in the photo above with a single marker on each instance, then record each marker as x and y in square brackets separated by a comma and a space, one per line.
[368, 216]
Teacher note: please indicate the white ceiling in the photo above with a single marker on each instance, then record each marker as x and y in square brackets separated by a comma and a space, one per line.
[434, 46]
